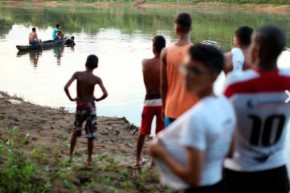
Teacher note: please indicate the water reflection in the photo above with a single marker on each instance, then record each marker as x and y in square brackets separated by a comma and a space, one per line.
[58, 53]
[34, 55]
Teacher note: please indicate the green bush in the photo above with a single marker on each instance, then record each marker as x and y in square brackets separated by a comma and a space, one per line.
[18, 173]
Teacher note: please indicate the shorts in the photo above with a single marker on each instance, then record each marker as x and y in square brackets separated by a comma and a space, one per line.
[34, 43]
[216, 188]
[86, 112]
[168, 121]
[274, 180]
[152, 107]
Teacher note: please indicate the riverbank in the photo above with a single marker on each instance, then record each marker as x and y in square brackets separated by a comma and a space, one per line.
[245, 7]
[34, 143]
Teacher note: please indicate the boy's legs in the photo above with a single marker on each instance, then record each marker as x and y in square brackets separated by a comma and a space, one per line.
[90, 151]
[80, 117]
[147, 117]
[73, 142]
[91, 129]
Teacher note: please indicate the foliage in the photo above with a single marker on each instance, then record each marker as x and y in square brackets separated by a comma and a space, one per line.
[18, 172]
[26, 168]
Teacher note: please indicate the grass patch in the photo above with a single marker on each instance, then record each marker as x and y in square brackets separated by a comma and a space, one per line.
[27, 166]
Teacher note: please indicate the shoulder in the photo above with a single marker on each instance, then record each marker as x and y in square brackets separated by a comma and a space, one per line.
[284, 72]
[240, 77]
[164, 51]
[98, 80]
[145, 61]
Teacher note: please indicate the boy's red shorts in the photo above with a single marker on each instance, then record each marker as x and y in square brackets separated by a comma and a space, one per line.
[147, 116]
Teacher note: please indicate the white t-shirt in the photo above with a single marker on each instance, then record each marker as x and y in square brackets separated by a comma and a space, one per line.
[262, 116]
[238, 59]
[208, 126]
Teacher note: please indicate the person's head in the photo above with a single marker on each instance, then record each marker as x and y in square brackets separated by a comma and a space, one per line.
[159, 43]
[33, 29]
[72, 38]
[267, 44]
[202, 67]
[242, 36]
[92, 62]
[182, 24]
[57, 26]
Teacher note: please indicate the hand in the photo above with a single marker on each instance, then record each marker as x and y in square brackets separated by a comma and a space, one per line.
[156, 148]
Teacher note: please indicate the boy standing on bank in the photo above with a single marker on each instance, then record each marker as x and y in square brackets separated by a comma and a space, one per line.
[86, 109]
[152, 104]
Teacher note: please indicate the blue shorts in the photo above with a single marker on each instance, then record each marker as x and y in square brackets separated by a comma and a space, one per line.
[34, 43]
[168, 121]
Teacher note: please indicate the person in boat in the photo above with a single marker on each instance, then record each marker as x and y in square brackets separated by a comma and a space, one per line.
[85, 102]
[204, 132]
[238, 59]
[70, 42]
[152, 104]
[33, 38]
[57, 33]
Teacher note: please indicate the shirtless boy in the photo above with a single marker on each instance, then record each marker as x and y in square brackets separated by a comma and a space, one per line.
[152, 104]
[86, 109]
[33, 38]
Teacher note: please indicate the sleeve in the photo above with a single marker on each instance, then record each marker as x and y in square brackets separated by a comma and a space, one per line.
[230, 86]
[194, 134]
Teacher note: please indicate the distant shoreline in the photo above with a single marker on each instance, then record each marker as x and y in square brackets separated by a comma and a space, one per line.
[257, 8]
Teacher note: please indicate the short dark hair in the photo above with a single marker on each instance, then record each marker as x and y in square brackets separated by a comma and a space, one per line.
[57, 25]
[92, 61]
[183, 21]
[33, 29]
[72, 37]
[244, 34]
[211, 57]
[272, 41]
[159, 43]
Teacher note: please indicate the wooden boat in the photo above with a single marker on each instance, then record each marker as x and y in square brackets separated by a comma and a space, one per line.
[45, 45]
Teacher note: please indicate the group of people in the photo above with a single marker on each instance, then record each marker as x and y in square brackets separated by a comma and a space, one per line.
[57, 35]
[233, 143]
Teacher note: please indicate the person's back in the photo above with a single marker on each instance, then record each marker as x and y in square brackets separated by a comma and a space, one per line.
[178, 100]
[33, 38]
[153, 103]
[238, 59]
[151, 75]
[85, 100]
[259, 161]
[175, 99]
[85, 86]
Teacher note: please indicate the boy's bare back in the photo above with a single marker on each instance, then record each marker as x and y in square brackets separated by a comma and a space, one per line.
[151, 75]
[85, 86]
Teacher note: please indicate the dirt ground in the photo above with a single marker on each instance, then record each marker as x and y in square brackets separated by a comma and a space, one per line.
[46, 125]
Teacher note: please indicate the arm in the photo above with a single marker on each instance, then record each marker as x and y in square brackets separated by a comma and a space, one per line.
[36, 37]
[232, 148]
[189, 173]
[228, 63]
[163, 77]
[68, 85]
[105, 93]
